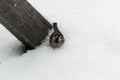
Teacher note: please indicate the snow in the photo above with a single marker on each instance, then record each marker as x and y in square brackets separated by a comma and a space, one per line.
[91, 50]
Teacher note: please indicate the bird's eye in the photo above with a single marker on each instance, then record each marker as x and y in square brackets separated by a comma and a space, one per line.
[54, 38]
[61, 37]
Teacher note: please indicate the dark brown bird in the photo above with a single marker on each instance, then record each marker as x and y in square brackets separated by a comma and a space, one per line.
[56, 38]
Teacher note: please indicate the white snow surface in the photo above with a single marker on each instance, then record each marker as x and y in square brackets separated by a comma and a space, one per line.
[91, 50]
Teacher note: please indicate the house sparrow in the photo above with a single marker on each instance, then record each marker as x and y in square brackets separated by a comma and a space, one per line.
[56, 38]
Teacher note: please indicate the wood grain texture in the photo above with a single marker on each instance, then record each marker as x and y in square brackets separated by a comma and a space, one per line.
[24, 22]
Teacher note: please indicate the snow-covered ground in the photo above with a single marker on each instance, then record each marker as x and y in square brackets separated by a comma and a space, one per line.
[91, 51]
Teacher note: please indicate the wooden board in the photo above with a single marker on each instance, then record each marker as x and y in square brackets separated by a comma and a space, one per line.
[24, 22]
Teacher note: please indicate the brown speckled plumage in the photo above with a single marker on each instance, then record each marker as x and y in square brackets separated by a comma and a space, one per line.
[56, 38]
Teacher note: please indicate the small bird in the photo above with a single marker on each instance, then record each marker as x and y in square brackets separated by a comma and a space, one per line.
[56, 38]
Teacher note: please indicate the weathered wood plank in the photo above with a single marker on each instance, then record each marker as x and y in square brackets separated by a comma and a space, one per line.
[23, 21]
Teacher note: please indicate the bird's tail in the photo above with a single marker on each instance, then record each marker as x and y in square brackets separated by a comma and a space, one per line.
[55, 26]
